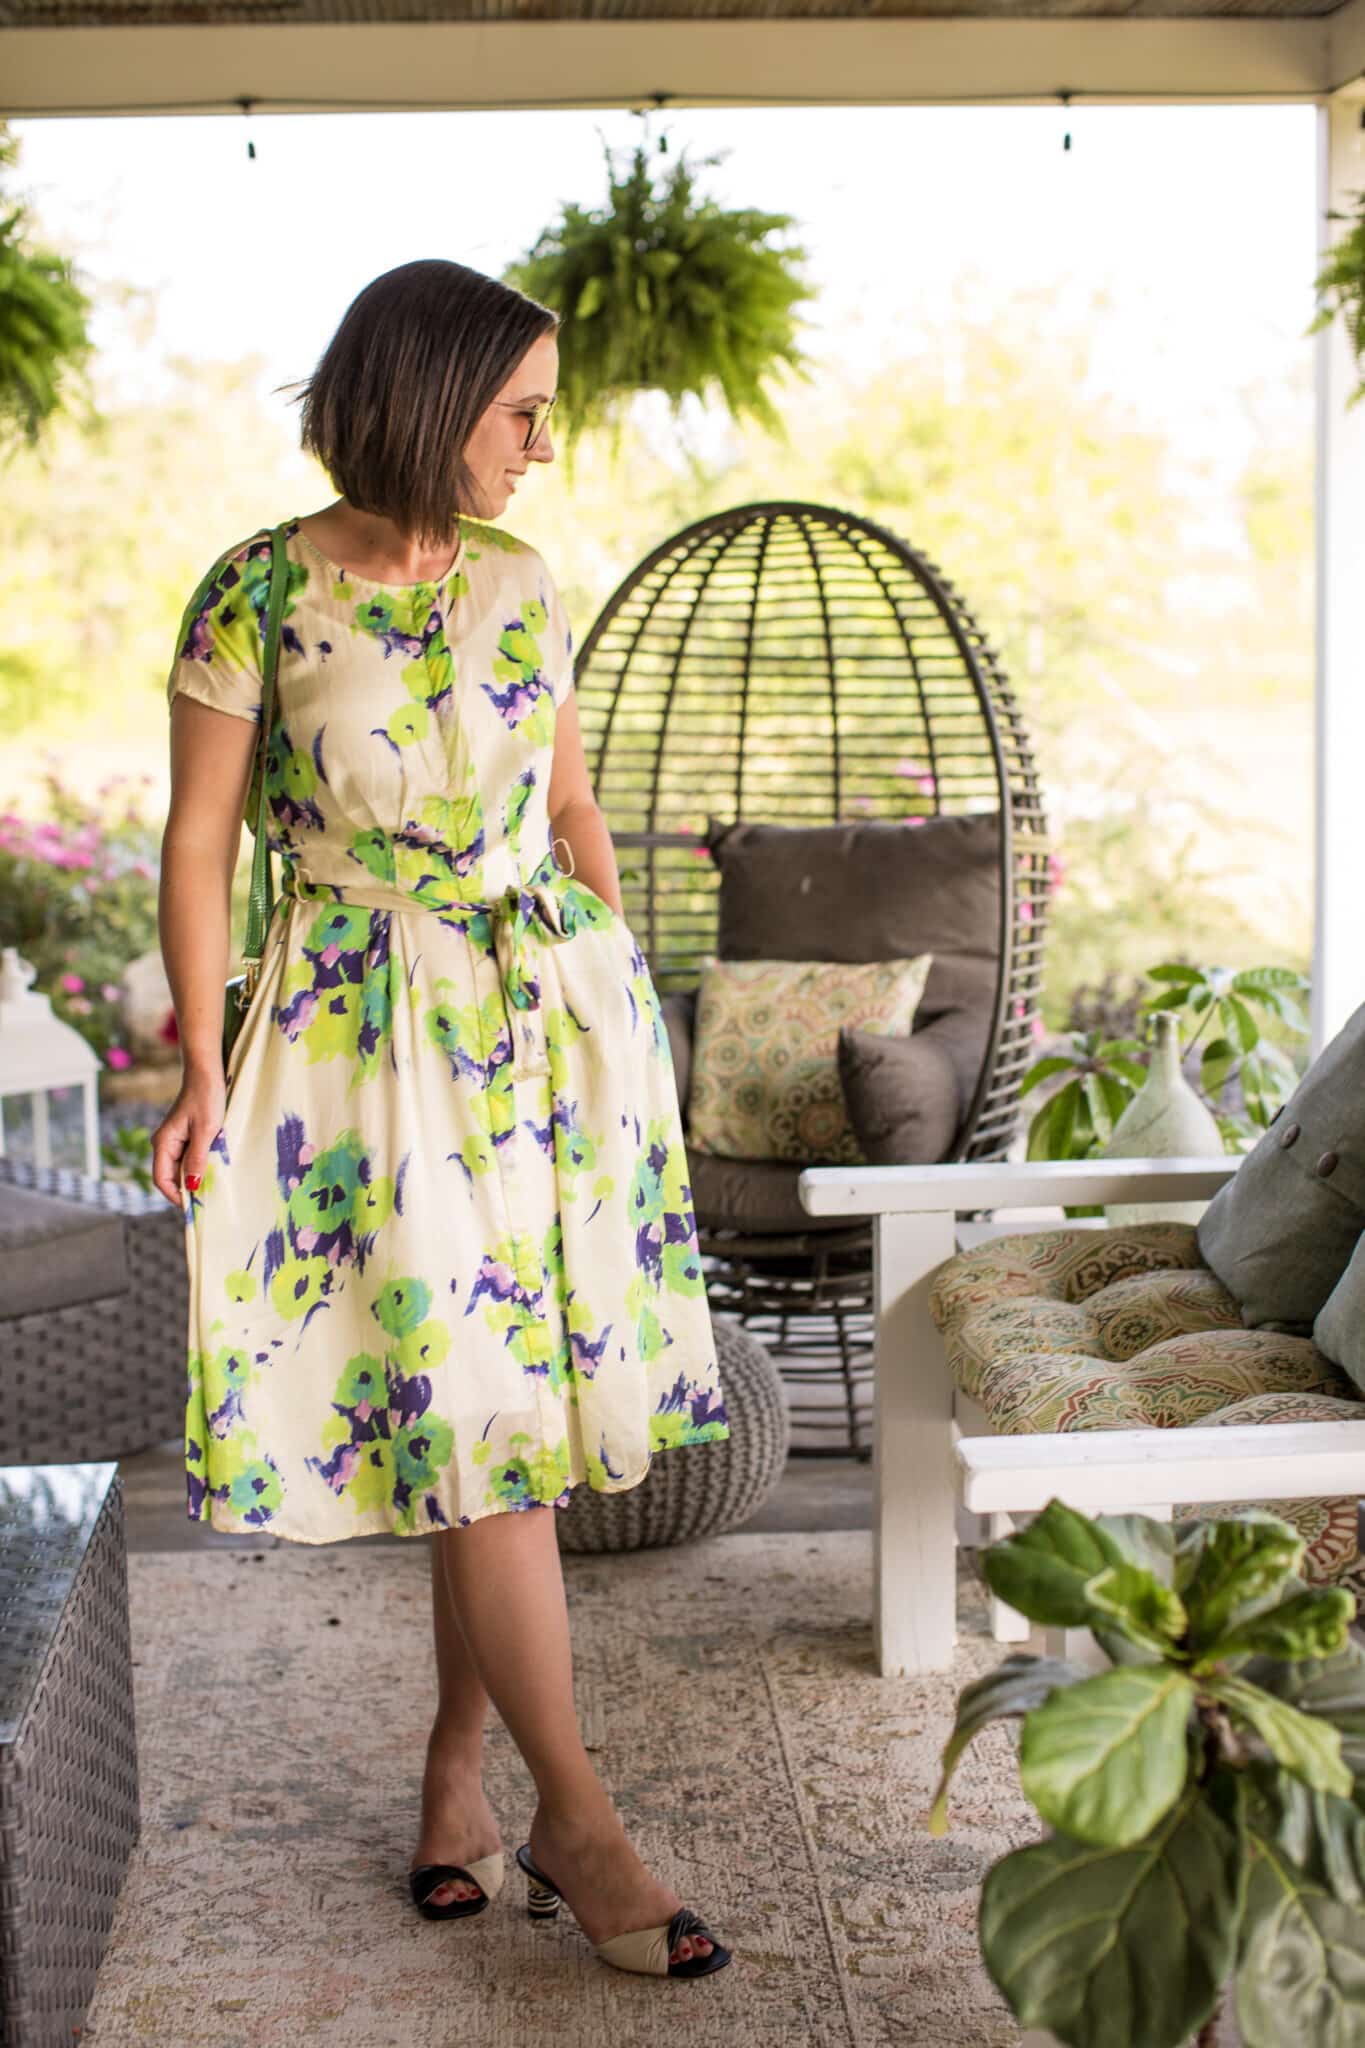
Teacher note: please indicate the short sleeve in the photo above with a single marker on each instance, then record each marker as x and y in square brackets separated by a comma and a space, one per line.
[218, 649]
[558, 642]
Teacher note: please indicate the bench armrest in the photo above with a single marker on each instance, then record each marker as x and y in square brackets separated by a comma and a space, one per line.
[1003, 1184]
[1092, 1469]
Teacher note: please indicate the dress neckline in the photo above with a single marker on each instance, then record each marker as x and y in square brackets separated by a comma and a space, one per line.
[356, 581]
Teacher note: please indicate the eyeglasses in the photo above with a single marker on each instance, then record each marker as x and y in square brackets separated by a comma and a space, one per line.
[537, 415]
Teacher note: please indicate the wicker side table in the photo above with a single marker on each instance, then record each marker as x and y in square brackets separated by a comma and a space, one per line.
[69, 1813]
[119, 1357]
[696, 1490]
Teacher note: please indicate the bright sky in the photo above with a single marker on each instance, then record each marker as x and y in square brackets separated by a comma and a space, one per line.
[1199, 223]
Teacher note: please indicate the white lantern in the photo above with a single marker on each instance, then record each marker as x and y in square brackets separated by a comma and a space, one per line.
[38, 1053]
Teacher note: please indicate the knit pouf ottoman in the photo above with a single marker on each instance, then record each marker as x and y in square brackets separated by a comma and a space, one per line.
[693, 1490]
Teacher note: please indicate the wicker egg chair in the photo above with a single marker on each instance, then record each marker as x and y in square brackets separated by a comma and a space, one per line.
[771, 663]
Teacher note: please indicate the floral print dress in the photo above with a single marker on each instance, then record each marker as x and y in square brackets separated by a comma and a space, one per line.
[443, 1263]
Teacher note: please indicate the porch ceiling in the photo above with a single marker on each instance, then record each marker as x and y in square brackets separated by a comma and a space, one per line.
[125, 13]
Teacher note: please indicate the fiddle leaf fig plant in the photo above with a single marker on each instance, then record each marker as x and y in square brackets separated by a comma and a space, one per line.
[1203, 1791]
[663, 289]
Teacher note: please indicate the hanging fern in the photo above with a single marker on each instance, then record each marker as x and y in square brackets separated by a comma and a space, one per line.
[42, 323]
[1340, 285]
[666, 291]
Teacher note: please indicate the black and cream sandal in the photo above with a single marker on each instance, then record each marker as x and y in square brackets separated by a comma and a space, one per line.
[487, 1874]
[645, 1950]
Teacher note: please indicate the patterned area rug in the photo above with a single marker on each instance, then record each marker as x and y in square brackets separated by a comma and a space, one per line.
[727, 1692]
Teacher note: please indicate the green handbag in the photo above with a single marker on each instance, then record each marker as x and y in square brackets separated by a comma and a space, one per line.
[261, 902]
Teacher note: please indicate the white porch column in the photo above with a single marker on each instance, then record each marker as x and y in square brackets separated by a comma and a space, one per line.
[1339, 906]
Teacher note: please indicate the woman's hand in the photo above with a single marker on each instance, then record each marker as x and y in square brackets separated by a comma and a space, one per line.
[183, 1139]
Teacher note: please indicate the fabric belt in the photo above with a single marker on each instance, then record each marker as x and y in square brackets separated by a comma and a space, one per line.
[528, 907]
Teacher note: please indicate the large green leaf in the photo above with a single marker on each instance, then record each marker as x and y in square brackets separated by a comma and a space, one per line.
[1043, 1070]
[1220, 1056]
[1044, 1570]
[1174, 971]
[1015, 1687]
[1256, 981]
[1301, 1967]
[1052, 1133]
[1121, 1946]
[1310, 1624]
[1322, 1836]
[1136, 1603]
[1105, 1759]
[1226, 1571]
[1242, 1025]
[1304, 1744]
[1331, 1688]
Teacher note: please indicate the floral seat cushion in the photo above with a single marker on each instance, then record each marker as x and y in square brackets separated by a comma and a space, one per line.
[1129, 1329]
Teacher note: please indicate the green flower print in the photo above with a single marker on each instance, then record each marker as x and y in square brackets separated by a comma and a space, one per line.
[385, 1448]
[520, 689]
[524, 1479]
[246, 1484]
[338, 998]
[666, 1252]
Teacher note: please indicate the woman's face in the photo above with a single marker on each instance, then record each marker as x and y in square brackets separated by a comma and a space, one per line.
[496, 451]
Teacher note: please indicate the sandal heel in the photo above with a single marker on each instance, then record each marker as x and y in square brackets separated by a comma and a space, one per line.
[542, 1900]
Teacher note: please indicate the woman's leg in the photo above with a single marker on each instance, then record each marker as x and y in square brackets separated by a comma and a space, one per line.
[457, 1823]
[508, 1589]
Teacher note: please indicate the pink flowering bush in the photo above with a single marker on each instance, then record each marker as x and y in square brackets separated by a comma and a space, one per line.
[78, 897]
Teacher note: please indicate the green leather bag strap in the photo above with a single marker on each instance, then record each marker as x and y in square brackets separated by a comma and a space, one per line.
[260, 903]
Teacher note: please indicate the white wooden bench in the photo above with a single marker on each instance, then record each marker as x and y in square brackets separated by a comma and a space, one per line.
[930, 1455]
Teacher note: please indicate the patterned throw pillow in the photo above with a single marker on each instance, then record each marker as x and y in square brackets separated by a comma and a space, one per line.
[765, 1067]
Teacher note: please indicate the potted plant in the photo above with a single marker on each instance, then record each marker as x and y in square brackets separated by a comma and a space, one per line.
[1203, 1789]
[664, 290]
[1103, 1073]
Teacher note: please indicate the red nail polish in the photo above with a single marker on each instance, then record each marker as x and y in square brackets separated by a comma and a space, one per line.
[194, 1181]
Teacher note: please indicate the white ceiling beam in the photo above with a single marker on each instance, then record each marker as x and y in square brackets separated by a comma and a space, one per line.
[326, 66]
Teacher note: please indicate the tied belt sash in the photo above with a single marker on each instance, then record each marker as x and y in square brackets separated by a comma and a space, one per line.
[530, 907]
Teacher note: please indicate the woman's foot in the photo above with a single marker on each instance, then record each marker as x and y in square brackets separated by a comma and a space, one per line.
[457, 1822]
[603, 1881]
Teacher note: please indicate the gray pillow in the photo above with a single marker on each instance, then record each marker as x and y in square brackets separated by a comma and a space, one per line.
[1281, 1233]
[1339, 1331]
[901, 1094]
[874, 890]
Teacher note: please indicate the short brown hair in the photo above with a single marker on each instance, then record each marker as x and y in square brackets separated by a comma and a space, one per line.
[420, 354]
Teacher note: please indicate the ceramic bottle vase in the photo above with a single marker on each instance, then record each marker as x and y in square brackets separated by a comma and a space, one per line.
[1164, 1120]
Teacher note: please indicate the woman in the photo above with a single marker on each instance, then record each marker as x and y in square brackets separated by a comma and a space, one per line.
[443, 1263]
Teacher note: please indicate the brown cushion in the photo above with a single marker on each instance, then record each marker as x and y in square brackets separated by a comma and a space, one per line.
[902, 1095]
[874, 890]
[1281, 1233]
[751, 1194]
[679, 1009]
[55, 1253]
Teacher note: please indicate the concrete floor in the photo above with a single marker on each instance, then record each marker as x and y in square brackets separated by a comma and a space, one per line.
[813, 1493]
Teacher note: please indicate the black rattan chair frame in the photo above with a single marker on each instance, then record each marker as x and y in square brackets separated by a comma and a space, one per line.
[651, 678]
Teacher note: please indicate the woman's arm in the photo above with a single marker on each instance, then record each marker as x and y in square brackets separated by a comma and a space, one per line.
[575, 814]
[211, 759]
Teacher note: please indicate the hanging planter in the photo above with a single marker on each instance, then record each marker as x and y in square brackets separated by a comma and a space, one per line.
[1340, 287]
[663, 290]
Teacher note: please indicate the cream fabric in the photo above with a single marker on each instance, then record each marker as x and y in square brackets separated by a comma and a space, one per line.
[443, 1263]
